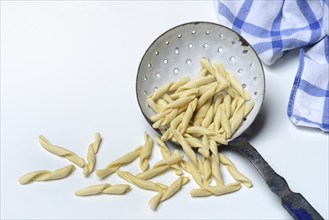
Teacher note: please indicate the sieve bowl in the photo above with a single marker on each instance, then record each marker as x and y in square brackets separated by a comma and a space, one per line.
[177, 52]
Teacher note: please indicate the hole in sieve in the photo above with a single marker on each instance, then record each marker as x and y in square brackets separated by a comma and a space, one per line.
[145, 78]
[193, 32]
[245, 51]
[190, 45]
[176, 70]
[167, 42]
[240, 71]
[176, 51]
[165, 61]
[255, 78]
[149, 65]
[205, 45]
[145, 92]
[234, 42]
[158, 75]
[221, 35]
[232, 59]
[219, 50]
[251, 65]
[156, 52]
[207, 32]
[179, 35]
[255, 93]
[244, 119]
[155, 89]
[244, 85]
[188, 61]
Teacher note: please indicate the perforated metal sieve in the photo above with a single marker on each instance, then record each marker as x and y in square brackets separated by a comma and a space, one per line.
[177, 52]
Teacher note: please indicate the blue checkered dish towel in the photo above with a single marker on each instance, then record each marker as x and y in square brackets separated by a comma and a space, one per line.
[273, 27]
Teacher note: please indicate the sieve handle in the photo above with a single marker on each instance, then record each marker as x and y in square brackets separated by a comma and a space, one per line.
[297, 206]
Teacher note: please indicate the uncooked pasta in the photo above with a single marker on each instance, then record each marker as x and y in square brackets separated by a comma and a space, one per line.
[91, 156]
[145, 152]
[105, 188]
[45, 175]
[62, 152]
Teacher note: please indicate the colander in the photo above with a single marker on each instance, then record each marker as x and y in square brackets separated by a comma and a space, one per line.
[177, 52]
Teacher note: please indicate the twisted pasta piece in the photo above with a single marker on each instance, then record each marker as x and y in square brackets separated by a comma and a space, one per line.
[197, 82]
[227, 104]
[198, 131]
[91, 156]
[193, 170]
[144, 184]
[189, 92]
[104, 189]
[182, 81]
[215, 170]
[113, 166]
[45, 175]
[206, 96]
[233, 171]
[62, 152]
[216, 190]
[148, 174]
[217, 119]
[225, 122]
[214, 149]
[236, 120]
[145, 152]
[153, 105]
[168, 118]
[186, 147]
[188, 115]
[249, 106]
[201, 113]
[172, 189]
[175, 122]
[180, 102]
[161, 166]
[208, 118]
[207, 171]
[160, 115]
[161, 91]
[166, 153]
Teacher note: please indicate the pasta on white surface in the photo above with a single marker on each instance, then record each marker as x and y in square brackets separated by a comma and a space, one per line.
[62, 152]
[145, 152]
[105, 188]
[45, 175]
[169, 192]
[144, 184]
[115, 165]
[91, 156]
[216, 190]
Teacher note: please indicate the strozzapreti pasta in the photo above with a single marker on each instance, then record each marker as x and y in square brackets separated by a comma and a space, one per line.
[115, 165]
[62, 152]
[105, 188]
[198, 114]
[170, 191]
[145, 152]
[91, 156]
[45, 175]
[209, 110]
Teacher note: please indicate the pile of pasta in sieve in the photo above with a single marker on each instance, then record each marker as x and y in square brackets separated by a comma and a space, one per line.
[200, 115]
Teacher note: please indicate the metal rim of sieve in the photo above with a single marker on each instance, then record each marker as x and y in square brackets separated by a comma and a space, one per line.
[177, 52]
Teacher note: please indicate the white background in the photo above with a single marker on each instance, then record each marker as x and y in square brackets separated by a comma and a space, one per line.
[68, 69]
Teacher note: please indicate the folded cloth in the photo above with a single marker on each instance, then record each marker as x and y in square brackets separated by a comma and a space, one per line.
[274, 27]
